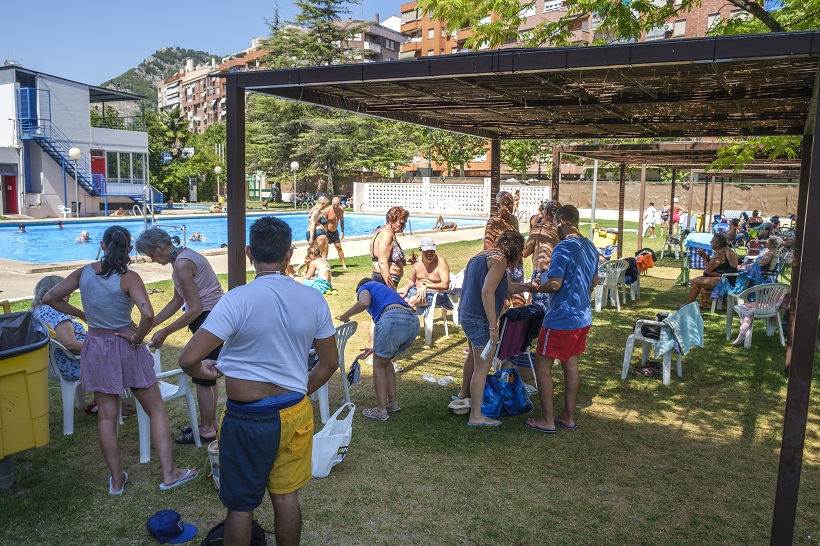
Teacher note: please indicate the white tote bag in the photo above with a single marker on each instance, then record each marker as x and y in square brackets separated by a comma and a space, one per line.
[330, 444]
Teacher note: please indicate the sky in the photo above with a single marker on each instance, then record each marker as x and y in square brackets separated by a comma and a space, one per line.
[92, 41]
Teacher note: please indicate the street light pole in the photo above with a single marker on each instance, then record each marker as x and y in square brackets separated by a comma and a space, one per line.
[75, 154]
[217, 170]
[294, 166]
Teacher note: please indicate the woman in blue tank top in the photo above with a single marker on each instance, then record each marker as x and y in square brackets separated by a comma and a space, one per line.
[114, 357]
[483, 292]
[396, 328]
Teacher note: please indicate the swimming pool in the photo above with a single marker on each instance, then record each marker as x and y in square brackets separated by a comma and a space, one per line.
[45, 242]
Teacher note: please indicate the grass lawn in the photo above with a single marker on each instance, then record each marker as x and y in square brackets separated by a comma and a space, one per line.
[694, 462]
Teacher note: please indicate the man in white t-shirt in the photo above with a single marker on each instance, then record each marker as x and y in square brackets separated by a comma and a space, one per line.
[265, 438]
[649, 220]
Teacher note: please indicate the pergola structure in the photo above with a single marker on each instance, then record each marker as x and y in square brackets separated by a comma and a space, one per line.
[735, 86]
[693, 156]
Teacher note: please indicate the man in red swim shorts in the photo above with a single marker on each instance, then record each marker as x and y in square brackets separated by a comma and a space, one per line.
[571, 277]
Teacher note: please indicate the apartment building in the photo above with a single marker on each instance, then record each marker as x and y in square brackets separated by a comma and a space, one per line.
[200, 93]
[381, 40]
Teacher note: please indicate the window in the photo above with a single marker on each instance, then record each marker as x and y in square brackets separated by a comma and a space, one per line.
[139, 169]
[656, 33]
[713, 21]
[430, 53]
[679, 28]
[431, 33]
[527, 12]
[409, 16]
[357, 37]
[443, 32]
[125, 166]
[454, 50]
[553, 5]
[485, 21]
[392, 45]
[111, 165]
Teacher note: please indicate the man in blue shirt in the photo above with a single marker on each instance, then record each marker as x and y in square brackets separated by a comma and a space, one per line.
[571, 277]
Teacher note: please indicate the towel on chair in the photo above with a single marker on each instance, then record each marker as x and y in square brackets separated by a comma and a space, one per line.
[685, 330]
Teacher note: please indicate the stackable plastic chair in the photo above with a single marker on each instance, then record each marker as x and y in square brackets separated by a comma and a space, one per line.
[430, 316]
[615, 278]
[343, 334]
[455, 293]
[72, 391]
[767, 299]
[168, 391]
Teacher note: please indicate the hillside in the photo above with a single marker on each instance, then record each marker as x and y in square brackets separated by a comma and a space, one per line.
[162, 64]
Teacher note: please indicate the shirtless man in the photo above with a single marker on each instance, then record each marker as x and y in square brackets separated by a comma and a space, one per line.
[543, 238]
[503, 220]
[432, 272]
[335, 215]
[119, 212]
[441, 225]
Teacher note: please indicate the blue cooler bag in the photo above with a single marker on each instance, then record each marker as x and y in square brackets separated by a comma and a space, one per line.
[505, 394]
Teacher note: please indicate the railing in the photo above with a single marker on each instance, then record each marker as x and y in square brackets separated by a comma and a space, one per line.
[43, 129]
[124, 123]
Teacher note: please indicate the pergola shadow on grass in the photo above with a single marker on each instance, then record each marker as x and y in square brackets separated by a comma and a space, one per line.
[688, 463]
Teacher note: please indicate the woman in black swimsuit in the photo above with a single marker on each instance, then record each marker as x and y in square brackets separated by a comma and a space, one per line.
[315, 233]
[385, 251]
[724, 260]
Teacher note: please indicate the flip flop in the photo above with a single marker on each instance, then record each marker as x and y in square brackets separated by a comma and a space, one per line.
[563, 425]
[190, 474]
[373, 413]
[493, 423]
[539, 429]
[187, 429]
[111, 485]
[188, 439]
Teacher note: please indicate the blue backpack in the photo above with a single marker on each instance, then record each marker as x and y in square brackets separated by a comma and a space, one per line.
[505, 394]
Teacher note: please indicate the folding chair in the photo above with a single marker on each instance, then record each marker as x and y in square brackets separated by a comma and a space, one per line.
[518, 326]
[343, 334]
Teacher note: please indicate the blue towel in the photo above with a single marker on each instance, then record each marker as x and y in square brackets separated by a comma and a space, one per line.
[685, 330]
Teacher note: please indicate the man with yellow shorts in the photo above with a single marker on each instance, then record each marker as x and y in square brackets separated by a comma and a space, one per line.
[266, 434]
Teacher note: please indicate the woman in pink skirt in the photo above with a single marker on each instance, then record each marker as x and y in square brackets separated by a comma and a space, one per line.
[113, 355]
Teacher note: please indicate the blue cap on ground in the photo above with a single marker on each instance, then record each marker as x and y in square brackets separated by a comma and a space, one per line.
[167, 526]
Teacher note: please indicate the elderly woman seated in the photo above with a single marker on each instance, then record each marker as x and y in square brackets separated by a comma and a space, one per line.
[768, 257]
[724, 260]
[69, 332]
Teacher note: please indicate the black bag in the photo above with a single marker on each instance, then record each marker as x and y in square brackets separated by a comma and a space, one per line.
[652, 331]
[216, 535]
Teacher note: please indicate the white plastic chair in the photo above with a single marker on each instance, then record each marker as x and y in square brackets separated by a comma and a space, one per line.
[767, 298]
[65, 211]
[430, 316]
[455, 293]
[615, 278]
[646, 350]
[72, 391]
[168, 391]
[343, 334]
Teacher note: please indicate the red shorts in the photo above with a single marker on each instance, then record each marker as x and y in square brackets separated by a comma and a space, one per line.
[562, 344]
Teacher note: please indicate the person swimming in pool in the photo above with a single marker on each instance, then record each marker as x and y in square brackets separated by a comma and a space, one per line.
[84, 237]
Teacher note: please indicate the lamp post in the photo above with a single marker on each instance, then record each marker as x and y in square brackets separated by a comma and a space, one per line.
[218, 171]
[74, 154]
[294, 166]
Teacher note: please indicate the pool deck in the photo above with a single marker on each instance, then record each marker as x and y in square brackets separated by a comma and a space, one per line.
[17, 279]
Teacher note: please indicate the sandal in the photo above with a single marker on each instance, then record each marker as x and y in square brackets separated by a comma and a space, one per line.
[188, 439]
[394, 407]
[373, 413]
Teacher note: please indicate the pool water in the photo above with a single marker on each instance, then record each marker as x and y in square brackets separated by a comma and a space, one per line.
[45, 243]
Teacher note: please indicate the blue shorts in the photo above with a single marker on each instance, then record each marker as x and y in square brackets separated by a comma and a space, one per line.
[442, 300]
[395, 332]
[476, 327]
[319, 284]
[264, 446]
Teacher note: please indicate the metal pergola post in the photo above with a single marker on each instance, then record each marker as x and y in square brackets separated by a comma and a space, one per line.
[235, 182]
[621, 199]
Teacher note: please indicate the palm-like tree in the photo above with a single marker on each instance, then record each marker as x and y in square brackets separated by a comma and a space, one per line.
[174, 130]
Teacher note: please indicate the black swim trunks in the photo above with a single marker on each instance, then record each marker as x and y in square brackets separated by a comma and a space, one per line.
[333, 237]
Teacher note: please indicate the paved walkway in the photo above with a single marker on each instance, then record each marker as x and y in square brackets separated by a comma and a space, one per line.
[17, 285]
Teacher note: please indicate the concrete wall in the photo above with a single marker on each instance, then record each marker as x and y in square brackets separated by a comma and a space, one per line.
[117, 140]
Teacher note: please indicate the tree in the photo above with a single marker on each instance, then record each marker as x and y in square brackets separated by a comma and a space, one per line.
[175, 131]
[455, 149]
[622, 20]
[520, 154]
[317, 36]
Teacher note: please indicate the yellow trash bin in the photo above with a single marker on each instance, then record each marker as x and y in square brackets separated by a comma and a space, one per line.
[23, 383]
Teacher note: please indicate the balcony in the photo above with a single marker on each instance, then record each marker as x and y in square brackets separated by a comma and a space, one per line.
[370, 46]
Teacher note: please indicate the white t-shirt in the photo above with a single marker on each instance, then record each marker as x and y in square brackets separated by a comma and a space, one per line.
[649, 215]
[268, 326]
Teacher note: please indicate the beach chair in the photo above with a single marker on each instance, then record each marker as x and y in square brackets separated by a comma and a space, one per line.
[767, 299]
[72, 391]
[168, 391]
[518, 327]
[343, 334]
